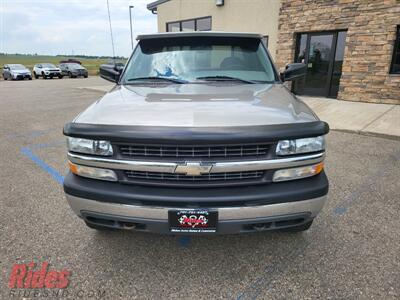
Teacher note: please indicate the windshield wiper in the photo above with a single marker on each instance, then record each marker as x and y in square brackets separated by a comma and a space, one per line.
[174, 80]
[224, 78]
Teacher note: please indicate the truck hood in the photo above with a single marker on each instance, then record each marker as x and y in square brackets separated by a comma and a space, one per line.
[198, 105]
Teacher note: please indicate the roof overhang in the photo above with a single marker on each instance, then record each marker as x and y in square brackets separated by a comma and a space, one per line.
[153, 5]
[197, 34]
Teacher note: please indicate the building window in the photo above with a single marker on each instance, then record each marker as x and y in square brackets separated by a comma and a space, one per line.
[395, 67]
[199, 24]
[174, 26]
[203, 24]
[188, 25]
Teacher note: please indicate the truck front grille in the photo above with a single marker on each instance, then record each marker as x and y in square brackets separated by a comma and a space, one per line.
[187, 152]
[232, 177]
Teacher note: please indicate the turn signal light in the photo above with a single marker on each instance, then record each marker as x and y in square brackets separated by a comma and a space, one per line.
[91, 172]
[298, 173]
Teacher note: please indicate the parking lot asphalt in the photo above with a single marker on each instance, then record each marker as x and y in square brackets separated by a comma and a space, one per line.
[352, 251]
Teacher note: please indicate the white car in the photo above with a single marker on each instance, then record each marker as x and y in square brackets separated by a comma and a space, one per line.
[16, 71]
[46, 70]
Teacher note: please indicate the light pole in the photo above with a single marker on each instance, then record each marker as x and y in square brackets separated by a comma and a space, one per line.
[130, 20]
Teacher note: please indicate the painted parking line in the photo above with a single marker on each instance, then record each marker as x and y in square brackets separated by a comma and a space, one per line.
[183, 241]
[45, 167]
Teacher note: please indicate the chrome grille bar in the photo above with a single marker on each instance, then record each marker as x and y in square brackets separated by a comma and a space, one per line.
[218, 167]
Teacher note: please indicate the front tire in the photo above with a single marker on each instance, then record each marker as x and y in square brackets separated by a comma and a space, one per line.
[35, 75]
[30, 77]
[60, 76]
[70, 75]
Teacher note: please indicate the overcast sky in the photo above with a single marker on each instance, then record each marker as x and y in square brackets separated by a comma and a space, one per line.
[71, 26]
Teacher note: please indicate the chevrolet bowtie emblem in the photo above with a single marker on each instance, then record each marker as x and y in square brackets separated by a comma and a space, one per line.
[193, 169]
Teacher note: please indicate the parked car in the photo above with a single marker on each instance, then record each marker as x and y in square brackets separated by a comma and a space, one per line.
[199, 136]
[46, 70]
[73, 70]
[70, 60]
[16, 72]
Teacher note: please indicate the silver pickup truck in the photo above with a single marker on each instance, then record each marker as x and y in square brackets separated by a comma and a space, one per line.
[198, 136]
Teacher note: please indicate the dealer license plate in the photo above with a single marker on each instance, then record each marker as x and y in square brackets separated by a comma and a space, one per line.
[193, 221]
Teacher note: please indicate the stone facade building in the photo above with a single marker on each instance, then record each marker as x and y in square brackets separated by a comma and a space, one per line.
[370, 29]
[351, 47]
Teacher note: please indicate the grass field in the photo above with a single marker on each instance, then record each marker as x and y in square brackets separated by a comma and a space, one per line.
[29, 61]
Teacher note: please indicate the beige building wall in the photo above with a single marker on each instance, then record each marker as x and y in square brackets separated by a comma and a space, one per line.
[260, 16]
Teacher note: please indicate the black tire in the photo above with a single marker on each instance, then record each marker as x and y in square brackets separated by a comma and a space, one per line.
[51, 76]
[86, 76]
[5, 78]
[70, 75]
[44, 76]
[299, 228]
[36, 75]
[60, 76]
[30, 77]
[97, 227]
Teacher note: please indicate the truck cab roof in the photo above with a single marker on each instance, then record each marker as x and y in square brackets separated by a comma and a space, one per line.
[198, 34]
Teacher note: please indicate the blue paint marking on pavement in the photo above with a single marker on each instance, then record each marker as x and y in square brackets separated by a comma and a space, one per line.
[184, 241]
[340, 210]
[54, 173]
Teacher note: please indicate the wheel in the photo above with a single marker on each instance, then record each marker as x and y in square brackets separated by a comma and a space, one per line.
[298, 228]
[51, 76]
[44, 76]
[97, 227]
[70, 75]
[30, 77]
[36, 75]
[86, 76]
[60, 76]
[4, 76]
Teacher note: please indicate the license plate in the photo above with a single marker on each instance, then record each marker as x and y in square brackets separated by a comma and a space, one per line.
[193, 221]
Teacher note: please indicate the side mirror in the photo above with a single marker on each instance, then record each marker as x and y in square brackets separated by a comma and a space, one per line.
[294, 71]
[110, 73]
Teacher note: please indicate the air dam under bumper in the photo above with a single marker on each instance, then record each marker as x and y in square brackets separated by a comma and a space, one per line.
[263, 207]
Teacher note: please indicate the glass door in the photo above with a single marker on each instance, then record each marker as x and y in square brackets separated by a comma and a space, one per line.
[323, 53]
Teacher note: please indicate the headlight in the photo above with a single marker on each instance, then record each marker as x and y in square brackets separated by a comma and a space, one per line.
[288, 147]
[297, 173]
[89, 146]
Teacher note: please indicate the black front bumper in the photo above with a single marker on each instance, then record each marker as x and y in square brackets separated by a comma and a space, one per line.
[111, 204]
[112, 192]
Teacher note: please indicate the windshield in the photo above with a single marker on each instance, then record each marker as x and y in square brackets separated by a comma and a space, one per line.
[48, 66]
[189, 59]
[17, 67]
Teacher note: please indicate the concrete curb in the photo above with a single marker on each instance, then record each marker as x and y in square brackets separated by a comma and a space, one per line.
[368, 133]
